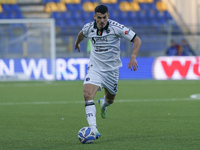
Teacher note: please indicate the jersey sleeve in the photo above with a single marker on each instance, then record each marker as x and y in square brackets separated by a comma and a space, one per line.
[126, 33]
[85, 29]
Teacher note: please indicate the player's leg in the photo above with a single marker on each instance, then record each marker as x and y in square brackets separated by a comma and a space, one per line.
[109, 97]
[92, 84]
[90, 109]
[110, 84]
[105, 102]
[89, 91]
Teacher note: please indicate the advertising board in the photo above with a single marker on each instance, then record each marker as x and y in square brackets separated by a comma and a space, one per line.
[160, 68]
[176, 68]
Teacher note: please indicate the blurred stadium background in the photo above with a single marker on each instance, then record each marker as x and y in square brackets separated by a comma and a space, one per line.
[155, 21]
[37, 43]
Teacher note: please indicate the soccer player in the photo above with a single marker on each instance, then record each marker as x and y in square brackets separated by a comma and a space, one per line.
[103, 67]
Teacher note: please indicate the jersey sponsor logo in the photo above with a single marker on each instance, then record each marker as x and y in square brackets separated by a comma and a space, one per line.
[176, 68]
[101, 50]
[93, 40]
[97, 39]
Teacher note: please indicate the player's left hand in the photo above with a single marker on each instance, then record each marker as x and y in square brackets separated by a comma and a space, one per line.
[133, 64]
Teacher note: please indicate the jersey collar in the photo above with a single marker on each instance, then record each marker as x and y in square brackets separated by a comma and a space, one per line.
[99, 32]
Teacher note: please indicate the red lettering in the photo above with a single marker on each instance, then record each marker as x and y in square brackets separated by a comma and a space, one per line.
[196, 67]
[176, 65]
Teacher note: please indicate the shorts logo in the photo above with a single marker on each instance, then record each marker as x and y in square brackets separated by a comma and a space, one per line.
[87, 79]
[115, 87]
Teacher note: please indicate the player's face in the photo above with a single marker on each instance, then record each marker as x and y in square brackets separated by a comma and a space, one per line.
[101, 19]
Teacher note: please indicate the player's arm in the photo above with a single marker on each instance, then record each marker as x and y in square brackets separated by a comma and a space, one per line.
[136, 47]
[78, 40]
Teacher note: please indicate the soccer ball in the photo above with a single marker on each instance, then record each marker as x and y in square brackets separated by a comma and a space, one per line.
[86, 135]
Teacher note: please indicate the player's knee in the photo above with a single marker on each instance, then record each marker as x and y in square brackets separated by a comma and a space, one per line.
[87, 96]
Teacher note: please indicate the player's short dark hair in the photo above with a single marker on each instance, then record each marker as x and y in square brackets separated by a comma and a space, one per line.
[101, 9]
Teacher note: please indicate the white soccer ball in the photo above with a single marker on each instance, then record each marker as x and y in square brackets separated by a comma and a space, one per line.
[86, 135]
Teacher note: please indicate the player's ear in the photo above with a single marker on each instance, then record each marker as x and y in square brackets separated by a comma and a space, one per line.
[94, 16]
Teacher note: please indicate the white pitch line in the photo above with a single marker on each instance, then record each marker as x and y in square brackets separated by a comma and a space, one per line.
[40, 103]
[66, 83]
[116, 101]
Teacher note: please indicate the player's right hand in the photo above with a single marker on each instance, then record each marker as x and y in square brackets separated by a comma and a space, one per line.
[78, 47]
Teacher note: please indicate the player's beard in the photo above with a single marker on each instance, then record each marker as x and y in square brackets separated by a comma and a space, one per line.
[102, 24]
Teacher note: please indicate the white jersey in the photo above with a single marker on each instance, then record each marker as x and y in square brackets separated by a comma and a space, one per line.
[105, 44]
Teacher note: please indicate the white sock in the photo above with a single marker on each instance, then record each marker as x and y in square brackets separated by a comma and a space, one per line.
[90, 110]
[104, 103]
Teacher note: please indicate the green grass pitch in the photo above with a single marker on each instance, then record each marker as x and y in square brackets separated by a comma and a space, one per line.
[146, 115]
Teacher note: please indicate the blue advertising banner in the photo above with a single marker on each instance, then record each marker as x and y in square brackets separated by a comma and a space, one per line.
[160, 68]
[66, 69]
[25, 69]
[144, 70]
